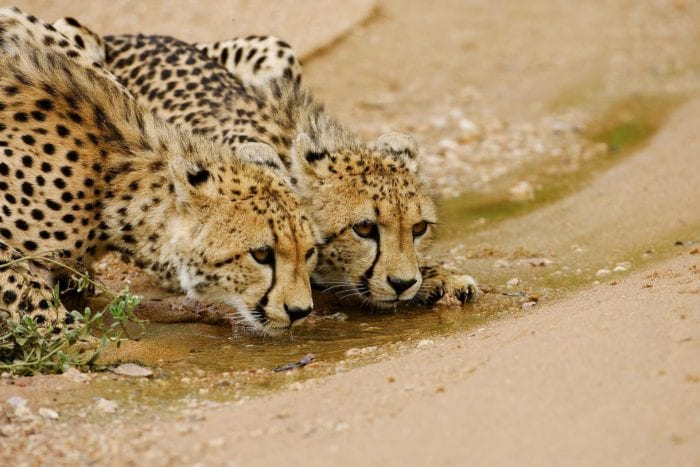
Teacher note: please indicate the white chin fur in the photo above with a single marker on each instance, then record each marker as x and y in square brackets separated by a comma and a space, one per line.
[270, 329]
[187, 283]
[245, 313]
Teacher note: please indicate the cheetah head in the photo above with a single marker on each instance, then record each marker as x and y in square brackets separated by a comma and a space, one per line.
[240, 237]
[374, 214]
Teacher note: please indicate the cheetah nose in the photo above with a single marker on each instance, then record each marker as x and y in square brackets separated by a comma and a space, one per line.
[400, 285]
[296, 313]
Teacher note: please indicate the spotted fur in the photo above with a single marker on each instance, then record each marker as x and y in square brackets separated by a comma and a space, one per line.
[255, 59]
[84, 170]
[345, 182]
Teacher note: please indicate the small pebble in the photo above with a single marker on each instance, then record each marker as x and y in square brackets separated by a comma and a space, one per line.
[338, 316]
[342, 426]
[602, 272]
[512, 282]
[106, 406]
[48, 414]
[134, 370]
[361, 351]
[183, 428]
[20, 409]
[522, 191]
[76, 376]
[215, 442]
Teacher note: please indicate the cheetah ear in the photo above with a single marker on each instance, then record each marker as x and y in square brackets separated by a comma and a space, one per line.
[399, 146]
[308, 160]
[192, 182]
[85, 39]
[261, 154]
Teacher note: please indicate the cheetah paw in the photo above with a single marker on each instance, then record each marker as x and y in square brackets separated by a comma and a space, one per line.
[464, 288]
[451, 289]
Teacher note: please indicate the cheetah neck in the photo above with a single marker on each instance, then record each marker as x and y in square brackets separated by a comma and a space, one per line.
[141, 216]
[139, 203]
[298, 112]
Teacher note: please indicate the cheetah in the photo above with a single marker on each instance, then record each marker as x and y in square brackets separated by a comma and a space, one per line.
[374, 213]
[86, 170]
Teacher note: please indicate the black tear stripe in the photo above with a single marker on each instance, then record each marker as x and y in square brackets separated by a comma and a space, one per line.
[364, 280]
[313, 156]
[198, 178]
[259, 311]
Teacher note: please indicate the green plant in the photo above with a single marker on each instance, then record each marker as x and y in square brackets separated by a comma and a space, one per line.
[26, 348]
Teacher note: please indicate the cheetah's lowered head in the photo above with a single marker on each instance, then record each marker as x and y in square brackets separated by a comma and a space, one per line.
[241, 237]
[374, 213]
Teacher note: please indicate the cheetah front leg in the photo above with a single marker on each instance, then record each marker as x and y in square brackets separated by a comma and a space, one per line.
[25, 292]
[438, 282]
[255, 59]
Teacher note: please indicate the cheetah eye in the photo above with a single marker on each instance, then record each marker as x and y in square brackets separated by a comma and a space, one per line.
[419, 229]
[366, 229]
[263, 255]
[310, 253]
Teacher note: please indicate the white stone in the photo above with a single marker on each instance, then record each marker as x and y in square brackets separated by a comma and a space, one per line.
[439, 122]
[512, 282]
[134, 370]
[20, 409]
[448, 144]
[76, 376]
[361, 351]
[106, 405]
[215, 442]
[424, 343]
[338, 316]
[522, 191]
[342, 426]
[48, 414]
[603, 272]
[467, 126]
[502, 263]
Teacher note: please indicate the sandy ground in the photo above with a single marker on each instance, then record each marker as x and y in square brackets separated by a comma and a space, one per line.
[609, 375]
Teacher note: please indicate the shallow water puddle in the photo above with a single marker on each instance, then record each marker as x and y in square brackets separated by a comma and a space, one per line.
[339, 332]
[195, 364]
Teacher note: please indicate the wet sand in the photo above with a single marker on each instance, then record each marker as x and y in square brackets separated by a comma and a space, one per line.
[607, 375]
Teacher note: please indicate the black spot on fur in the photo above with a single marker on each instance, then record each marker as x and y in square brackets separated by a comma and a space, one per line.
[198, 178]
[62, 131]
[72, 22]
[9, 297]
[44, 104]
[313, 156]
